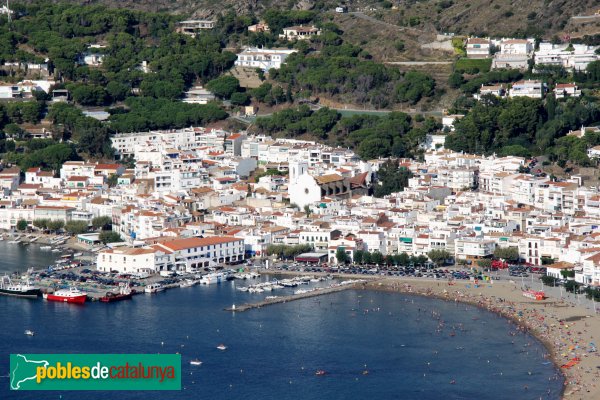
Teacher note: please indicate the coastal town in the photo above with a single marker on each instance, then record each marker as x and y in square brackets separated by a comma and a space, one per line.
[192, 201]
[307, 154]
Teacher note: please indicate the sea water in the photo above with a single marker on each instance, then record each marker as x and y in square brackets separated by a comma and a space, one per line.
[411, 347]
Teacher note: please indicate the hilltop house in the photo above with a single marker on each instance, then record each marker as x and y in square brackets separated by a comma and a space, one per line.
[299, 32]
[479, 48]
[264, 59]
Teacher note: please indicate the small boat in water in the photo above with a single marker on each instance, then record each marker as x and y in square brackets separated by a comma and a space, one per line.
[320, 372]
[70, 295]
[22, 289]
[154, 288]
[222, 347]
[125, 293]
[46, 248]
[195, 362]
[29, 332]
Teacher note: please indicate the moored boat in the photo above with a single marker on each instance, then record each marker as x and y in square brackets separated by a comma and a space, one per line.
[125, 293]
[154, 288]
[22, 289]
[195, 362]
[222, 347]
[70, 295]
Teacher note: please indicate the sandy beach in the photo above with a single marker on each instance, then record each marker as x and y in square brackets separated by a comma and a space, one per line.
[567, 331]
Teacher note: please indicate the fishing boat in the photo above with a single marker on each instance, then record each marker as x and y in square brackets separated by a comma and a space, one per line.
[154, 288]
[222, 347]
[195, 362]
[29, 332]
[70, 295]
[22, 289]
[45, 248]
[125, 293]
[320, 372]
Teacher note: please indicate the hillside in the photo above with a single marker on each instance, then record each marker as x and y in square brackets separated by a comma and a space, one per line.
[534, 17]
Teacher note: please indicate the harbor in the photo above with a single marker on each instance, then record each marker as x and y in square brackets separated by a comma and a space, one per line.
[270, 300]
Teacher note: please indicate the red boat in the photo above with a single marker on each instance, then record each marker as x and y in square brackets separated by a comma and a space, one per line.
[71, 295]
[125, 293]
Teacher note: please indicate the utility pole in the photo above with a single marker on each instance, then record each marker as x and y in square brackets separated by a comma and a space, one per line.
[8, 12]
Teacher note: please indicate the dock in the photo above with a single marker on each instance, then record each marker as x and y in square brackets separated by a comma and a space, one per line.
[285, 299]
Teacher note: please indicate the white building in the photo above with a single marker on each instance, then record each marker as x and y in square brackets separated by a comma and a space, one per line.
[264, 59]
[194, 27]
[132, 260]
[562, 90]
[527, 88]
[198, 95]
[570, 56]
[299, 32]
[479, 48]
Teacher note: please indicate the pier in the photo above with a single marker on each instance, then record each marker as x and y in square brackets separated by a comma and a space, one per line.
[285, 299]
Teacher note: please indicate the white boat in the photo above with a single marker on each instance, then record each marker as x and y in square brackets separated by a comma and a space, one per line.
[29, 332]
[222, 347]
[214, 277]
[56, 250]
[243, 289]
[187, 283]
[196, 362]
[277, 287]
[271, 297]
[154, 288]
[45, 248]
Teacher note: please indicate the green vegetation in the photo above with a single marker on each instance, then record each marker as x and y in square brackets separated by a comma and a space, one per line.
[391, 178]
[103, 223]
[341, 256]
[507, 253]
[439, 256]
[147, 113]
[300, 120]
[76, 227]
[473, 65]
[393, 134]
[523, 126]
[110, 237]
[22, 225]
[287, 252]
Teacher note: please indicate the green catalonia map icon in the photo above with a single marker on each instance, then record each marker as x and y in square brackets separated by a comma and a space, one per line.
[23, 371]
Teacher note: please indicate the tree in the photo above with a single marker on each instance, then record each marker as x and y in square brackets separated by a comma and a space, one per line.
[240, 99]
[455, 80]
[358, 256]
[224, 86]
[55, 225]
[102, 222]
[549, 280]
[567, 273]
[377, 258]
[484, 263]
[392, 178]
[341, 256]
[41, 223]
[507, 253]
[76, 227]
[439, 256]
[22, 225]
[110, 237]
[366, 258]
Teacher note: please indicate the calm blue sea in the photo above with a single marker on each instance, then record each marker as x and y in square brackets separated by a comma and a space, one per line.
[19, 257]
[273, 352]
